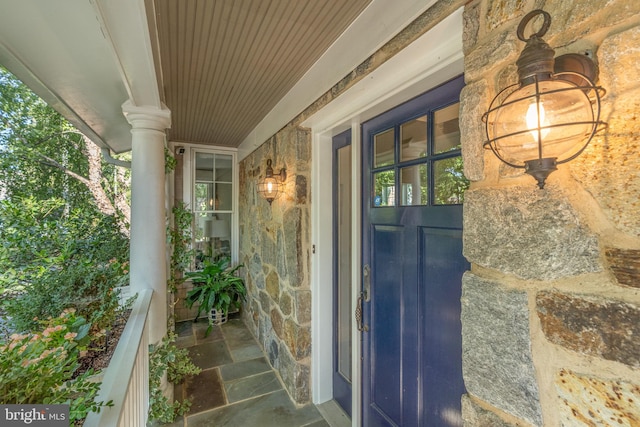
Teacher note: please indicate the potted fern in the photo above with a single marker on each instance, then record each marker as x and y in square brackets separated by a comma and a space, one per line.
[216, 288]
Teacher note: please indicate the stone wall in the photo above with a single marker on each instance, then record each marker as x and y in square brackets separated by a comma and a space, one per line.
[274, 247]
[551, 308]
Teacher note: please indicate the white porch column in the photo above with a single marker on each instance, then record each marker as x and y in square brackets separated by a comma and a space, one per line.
[148, 229]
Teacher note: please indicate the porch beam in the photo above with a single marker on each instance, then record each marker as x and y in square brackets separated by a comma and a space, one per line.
[148, 229]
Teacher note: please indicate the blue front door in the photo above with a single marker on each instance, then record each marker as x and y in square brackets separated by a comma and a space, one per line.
[413, 190]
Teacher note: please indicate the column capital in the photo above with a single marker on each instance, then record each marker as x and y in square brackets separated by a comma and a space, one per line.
[146, 117]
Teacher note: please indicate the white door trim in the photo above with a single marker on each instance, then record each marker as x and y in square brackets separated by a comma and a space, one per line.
[432, 59]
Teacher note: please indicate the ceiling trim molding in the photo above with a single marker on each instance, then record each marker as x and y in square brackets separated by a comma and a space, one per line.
[432, 59]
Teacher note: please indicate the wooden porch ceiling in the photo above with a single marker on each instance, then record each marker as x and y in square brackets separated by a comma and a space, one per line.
[222, 65]
[232, 72]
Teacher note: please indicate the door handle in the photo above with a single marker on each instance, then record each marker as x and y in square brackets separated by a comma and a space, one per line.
[361, 327]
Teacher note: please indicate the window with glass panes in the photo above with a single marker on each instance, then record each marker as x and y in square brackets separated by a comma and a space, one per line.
[212, 206]
[418, 162]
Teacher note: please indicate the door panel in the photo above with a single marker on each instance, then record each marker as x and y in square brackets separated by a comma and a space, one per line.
[412, 240]
[386, 297]
[440, 321]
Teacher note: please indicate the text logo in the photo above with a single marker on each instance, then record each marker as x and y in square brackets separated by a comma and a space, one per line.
[34, 415]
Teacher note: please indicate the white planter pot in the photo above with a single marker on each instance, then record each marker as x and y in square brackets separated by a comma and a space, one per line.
[217, 317]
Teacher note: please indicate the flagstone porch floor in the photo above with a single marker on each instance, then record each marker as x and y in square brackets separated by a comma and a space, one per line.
[237, 386]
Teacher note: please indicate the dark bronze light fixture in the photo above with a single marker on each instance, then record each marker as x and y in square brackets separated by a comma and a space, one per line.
[272, 185]
[550, 116]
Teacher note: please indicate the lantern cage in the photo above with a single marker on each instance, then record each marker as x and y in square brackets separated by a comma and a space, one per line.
[551, 115]
[272, 186]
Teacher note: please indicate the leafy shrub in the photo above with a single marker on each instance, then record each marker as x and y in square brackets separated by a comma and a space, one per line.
[179, 237]
[175, 362]
[39, 367]
[53, 259]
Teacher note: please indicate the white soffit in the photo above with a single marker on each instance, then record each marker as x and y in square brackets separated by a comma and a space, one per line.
[82, 58]
[432, 59]
[377, 24]
[125, 25]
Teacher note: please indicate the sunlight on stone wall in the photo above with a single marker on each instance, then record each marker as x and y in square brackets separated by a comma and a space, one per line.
[569, 251]
[275, 248]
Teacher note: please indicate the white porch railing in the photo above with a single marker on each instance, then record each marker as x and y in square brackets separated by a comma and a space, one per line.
[126, 380]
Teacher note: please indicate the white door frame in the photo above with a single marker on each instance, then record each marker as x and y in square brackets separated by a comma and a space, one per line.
[432, 59]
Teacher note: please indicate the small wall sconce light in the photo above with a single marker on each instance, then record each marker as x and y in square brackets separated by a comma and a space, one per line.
[272, 185]
[550, 116]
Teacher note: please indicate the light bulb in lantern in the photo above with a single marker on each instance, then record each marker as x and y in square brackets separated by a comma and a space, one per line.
[537, 123]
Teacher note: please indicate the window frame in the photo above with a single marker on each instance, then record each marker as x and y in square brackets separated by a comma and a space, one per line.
[429, 160]
[189, 194]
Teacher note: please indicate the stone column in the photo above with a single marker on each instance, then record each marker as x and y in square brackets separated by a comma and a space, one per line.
[148, 229]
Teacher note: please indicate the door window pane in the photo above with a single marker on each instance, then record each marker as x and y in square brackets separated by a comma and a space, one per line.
[446, 129]
[383, 149]
[384, 184]
[413, 139]
[413, 180]
[423, 150]
[449, 181]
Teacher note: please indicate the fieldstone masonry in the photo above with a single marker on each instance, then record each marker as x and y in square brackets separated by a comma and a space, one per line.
[497, 360]
[553, 304]
[531, 234]
[475, 415]
[275, 247]
[597, 402]
[551, 307]
[591, 325]
[625, 265]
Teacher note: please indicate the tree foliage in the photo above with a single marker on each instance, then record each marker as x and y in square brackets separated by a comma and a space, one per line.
[63, 215]
[43, 156]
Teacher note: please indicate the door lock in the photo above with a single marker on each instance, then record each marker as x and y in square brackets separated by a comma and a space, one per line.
[361, 327]
[366, 282]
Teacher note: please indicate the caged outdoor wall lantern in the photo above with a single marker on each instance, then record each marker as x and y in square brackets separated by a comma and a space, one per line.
[550, 116]
[272, 185]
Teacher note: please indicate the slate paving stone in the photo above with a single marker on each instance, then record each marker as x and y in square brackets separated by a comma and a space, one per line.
[200, 328]
[321, 423]
[253, 386]
[185, 341]
[184, 329]
[210, 354]
[244, 369]
[237, 386]
[269, 410]
[236, 333]
[246, 352]
[205, 391]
